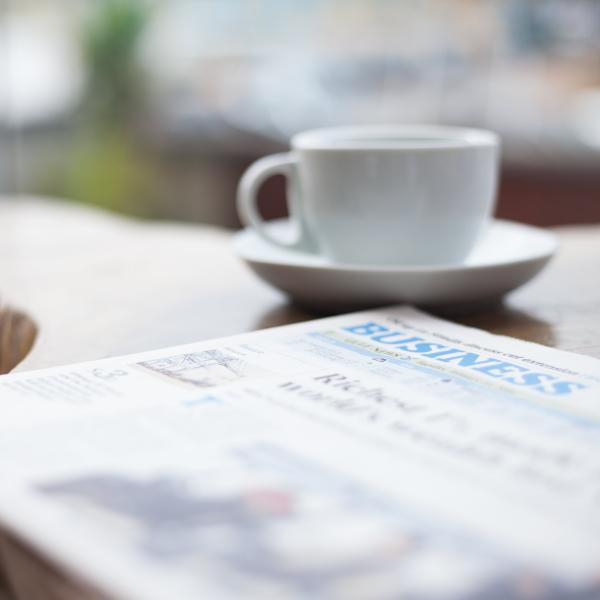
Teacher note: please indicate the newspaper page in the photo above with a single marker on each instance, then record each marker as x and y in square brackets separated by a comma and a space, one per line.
[378, 455]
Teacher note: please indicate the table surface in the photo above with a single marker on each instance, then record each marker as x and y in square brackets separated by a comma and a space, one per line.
[92, 285]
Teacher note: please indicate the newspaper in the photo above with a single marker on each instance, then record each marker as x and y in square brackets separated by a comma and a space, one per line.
[378, 455]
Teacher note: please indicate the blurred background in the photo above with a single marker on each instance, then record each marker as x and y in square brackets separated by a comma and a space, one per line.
[155, 107]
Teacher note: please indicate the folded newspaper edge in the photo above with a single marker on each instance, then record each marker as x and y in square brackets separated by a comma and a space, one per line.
[379, 454]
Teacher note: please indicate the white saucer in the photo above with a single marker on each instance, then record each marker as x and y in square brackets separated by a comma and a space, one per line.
[507, 256]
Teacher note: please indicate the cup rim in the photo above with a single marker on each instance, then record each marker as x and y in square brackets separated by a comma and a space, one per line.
[389, 137]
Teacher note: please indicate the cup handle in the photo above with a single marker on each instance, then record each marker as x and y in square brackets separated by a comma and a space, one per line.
[276, 164]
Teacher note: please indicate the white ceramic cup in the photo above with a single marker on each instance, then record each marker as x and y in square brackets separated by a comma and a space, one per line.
[382, 195]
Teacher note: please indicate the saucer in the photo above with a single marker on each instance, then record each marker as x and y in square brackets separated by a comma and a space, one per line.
[506, 256]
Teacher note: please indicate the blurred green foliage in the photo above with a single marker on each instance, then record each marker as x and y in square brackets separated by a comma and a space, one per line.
[108, 166]
[107, 170]
[109, 46]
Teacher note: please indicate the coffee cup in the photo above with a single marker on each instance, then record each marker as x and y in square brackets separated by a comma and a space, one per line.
[381, 195]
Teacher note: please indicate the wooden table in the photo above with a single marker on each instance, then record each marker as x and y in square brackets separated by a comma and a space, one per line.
[78, 284]
[94, 285]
